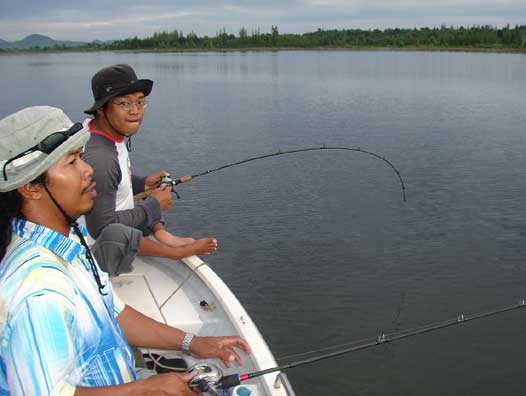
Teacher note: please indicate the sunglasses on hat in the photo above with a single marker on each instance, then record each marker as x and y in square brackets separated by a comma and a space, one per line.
[47, 145]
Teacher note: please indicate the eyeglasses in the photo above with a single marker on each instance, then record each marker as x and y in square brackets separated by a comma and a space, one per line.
[47, 145]
[127, 106]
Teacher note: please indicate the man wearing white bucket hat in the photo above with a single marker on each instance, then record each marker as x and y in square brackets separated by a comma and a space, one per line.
[63, 331]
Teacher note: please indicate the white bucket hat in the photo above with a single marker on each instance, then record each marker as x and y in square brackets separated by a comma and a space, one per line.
[22, 136]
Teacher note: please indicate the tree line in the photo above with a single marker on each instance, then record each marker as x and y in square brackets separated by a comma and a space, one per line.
[437, 37]
[443, 37]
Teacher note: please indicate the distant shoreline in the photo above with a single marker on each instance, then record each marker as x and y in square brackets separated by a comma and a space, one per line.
[450, 39]
[271, 49]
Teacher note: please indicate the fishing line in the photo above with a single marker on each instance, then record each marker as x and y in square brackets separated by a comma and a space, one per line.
[406, 332]
[235, 379]
[186, 179]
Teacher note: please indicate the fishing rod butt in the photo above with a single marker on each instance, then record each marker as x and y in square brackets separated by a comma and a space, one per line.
[142, 195]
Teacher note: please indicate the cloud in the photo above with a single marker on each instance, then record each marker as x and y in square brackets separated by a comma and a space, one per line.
[77, 24]
[94, 19]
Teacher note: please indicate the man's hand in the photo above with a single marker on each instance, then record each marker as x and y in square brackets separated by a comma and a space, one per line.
[163, 195]
[153, 181]
[172, 384]
[219, 347]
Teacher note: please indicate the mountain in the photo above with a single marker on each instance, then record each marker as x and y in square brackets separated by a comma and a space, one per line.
[37, 40]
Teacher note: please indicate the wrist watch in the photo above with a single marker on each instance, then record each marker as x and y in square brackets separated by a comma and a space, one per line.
[185, 346]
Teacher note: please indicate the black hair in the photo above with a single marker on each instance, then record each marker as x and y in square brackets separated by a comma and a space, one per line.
[11, 207]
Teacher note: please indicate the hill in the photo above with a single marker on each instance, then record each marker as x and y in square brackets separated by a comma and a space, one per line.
[37, 41]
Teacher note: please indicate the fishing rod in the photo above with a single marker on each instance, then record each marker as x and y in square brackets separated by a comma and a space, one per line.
[185, 179]
[210, 380]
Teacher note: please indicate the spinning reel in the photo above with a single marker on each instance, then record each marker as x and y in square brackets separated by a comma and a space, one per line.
[167, 180]
[210, 381]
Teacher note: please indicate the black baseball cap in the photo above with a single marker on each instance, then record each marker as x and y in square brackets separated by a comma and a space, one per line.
[113, 81]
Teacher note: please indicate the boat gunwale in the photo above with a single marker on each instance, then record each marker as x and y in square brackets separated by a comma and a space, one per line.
[261, 356]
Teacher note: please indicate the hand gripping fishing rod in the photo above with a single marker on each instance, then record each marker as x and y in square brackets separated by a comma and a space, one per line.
[185, 179]
[210, 380]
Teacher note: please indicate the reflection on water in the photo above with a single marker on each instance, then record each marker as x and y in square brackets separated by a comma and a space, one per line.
[319, 246]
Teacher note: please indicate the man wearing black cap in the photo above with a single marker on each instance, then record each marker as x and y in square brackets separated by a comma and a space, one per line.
[118, 110]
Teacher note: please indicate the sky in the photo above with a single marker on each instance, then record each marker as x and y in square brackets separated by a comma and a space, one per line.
[88, 20]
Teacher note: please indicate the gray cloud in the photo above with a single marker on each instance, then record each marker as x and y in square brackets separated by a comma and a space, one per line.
[96, 19]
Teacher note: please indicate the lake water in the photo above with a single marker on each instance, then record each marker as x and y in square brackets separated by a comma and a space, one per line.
[319, 246]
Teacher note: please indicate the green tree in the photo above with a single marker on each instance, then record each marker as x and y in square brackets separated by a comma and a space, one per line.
[243, 34]
[274, 36]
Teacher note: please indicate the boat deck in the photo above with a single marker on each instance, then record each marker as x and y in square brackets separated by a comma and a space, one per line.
[189, 295]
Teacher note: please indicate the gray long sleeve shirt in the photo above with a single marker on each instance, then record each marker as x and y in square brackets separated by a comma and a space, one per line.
[115, 187]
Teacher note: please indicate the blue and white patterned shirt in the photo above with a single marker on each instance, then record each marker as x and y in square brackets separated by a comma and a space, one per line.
[56, 330]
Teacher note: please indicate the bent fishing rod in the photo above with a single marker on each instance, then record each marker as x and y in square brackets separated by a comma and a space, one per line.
[209, 378]
[185, 179]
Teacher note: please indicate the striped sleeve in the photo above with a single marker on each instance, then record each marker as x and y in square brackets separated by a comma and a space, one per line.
[41, 353]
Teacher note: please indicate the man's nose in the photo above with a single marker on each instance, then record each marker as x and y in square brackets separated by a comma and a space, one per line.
[87, 170]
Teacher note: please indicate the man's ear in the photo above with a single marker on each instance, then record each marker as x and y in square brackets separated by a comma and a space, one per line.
[32, 191]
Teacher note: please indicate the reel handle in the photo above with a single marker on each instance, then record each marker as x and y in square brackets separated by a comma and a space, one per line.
[200, 386]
